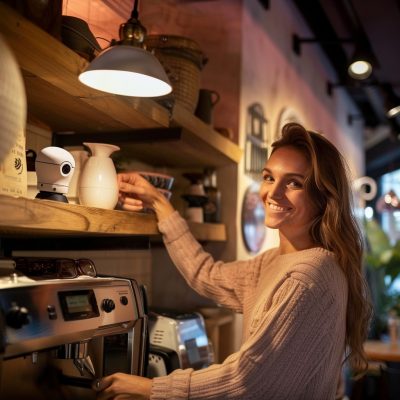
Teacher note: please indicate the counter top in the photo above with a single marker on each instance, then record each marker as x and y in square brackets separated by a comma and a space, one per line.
[377, 350]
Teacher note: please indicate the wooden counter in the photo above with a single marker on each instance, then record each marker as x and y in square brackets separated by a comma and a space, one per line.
[377, 350]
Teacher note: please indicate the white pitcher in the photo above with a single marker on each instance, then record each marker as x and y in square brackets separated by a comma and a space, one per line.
[80, 157]
[98, 186]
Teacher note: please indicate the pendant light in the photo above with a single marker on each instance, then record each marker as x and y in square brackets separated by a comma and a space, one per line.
[126, 68]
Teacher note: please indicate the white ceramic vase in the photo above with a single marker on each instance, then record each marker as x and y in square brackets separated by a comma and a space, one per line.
[80, 157]
[98, 186]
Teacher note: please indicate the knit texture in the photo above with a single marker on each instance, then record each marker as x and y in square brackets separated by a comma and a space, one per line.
[294, 322]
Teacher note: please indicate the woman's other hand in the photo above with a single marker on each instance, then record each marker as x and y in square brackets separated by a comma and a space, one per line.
[136, 193]
[123, 387]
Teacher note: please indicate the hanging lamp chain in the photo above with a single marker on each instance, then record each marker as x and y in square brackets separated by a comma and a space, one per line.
[132, 32]
[135, 12]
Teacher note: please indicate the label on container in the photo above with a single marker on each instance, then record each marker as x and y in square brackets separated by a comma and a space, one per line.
[13, 175]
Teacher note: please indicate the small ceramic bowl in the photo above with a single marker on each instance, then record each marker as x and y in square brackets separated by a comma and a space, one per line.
[160, 181]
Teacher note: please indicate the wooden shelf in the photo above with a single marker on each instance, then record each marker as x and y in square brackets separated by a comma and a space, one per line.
[208, 232]
[146, 131]
[56, 97]
[43, 217]
[22, 216]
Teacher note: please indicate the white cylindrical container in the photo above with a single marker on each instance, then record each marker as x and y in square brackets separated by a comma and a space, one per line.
[98, 186]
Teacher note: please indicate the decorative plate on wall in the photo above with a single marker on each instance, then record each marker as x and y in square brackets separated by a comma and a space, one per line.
[287, 115]
[253, 219]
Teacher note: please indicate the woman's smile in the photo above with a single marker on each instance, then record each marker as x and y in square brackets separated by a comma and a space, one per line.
[278, 208]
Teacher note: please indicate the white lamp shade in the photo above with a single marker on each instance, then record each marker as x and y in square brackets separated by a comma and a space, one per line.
[128, 71]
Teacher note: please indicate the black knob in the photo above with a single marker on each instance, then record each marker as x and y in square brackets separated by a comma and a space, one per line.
[108, 305]
[17, 317]
[124, 300]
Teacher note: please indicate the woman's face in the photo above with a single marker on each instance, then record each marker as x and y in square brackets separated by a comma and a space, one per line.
[287, 205]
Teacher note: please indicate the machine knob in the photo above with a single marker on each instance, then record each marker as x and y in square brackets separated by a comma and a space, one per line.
[108, 305]
[17, 317]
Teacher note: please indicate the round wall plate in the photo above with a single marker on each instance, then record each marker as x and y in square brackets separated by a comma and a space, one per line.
[287, 115]
[253, 219]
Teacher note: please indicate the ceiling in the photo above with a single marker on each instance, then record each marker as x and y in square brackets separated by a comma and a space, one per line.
[377, 24]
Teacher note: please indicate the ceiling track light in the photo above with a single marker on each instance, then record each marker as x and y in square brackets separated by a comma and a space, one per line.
[126, 67]
[360, 66]
[392, 102]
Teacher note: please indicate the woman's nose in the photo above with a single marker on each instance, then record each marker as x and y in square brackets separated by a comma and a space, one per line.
[276, 191]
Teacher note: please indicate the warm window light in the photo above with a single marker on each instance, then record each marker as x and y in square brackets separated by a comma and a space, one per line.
[126, 68]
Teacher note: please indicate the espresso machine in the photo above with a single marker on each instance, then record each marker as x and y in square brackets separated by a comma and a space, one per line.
[177, 340]
[59, 334]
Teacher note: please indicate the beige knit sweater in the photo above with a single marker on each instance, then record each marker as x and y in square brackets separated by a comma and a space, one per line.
[294, 311]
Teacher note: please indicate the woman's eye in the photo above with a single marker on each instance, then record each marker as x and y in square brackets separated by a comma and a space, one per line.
[267, 178]
[295, 184]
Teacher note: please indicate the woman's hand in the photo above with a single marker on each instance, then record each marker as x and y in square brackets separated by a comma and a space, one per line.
[121, 386]
[136, 193]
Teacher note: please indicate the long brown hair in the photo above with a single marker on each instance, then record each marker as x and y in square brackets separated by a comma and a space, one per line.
[335, 228]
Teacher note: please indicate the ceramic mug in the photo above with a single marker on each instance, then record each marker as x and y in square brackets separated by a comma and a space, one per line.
[205, 105]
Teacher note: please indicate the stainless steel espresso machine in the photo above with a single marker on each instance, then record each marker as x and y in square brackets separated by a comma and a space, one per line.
[57, 335]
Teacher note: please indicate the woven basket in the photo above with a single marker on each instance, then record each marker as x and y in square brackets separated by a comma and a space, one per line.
[183, 61]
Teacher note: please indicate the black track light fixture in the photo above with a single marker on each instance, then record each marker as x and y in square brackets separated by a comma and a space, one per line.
[360, 65]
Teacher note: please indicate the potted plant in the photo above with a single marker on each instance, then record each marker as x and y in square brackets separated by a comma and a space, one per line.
[383, 267]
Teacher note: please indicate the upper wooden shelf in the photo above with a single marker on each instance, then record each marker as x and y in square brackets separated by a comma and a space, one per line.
[22, 216]
[56, 97]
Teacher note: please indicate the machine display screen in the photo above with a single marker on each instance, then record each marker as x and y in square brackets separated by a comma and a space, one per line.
[78, 304]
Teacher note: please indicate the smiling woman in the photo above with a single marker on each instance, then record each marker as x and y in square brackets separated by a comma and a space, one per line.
[288, 205]
[304, 303]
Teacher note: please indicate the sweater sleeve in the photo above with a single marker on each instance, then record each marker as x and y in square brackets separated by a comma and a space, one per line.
[225, 283]
[290, 342]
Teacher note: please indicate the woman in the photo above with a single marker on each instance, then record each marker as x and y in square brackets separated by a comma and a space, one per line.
[304, 303]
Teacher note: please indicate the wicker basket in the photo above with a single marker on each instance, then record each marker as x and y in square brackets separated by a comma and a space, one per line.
[183, 61]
